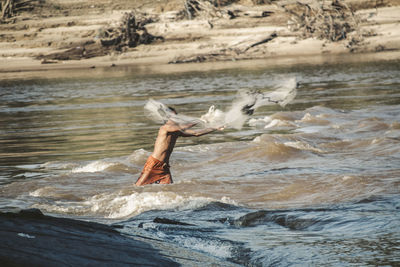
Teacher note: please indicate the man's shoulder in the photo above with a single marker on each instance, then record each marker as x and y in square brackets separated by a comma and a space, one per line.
[170, 127]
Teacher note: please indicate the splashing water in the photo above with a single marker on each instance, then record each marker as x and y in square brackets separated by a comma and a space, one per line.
[244, 105]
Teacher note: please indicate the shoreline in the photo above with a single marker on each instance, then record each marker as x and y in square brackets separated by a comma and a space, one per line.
[107, 69]
[226, 44]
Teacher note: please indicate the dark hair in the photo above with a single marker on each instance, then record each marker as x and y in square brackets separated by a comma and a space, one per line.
[173, 110]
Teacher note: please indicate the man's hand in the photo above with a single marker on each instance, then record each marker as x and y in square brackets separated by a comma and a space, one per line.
[221, 128]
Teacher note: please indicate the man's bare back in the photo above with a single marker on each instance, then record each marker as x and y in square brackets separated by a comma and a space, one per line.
[163, 147]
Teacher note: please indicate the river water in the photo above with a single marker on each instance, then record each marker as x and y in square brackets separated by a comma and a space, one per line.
[314, 183]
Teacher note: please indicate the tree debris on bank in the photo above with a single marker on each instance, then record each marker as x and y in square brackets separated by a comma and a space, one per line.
[327, 20]
[10, 8]
[130, 32]
[207, 9]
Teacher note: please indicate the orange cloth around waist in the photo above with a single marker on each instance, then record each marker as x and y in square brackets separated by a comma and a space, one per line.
[157, 171]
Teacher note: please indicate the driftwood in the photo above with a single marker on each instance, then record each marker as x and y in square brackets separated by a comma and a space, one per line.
[266, 40]
[131, 32]
[262, 2]
[225, 54]
[193, 59]
[208, 9]
[81, 51]
[333, 22]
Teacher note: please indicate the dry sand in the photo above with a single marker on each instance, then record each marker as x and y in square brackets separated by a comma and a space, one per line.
[219, 41]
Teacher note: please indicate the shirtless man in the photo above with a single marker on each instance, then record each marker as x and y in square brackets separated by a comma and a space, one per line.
[156, 169]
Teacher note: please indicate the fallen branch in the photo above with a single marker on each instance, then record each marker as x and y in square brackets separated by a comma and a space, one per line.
[266, 40]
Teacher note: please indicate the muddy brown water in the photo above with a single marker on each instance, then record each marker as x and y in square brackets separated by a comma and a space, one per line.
[314, 183]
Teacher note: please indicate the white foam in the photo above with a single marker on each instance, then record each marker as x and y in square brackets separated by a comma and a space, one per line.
[43, 191]
[57, 165]
[136, 203]
[311, 129]
[303, 146]
[119, 205]
[260, 121]
[347, 177]
[26, 235]
[277, 123]
[307, 117]
[268, 123]
[96, 166]
[213, 247]
[129, 205]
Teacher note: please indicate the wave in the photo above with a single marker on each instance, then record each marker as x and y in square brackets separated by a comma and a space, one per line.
[132, 162]
[96, 166]
[314, 116]
[53, 193]
[270, 123]
[286, 146]
[55, 165]
[314, 119]
[121, 205]
[304, 146]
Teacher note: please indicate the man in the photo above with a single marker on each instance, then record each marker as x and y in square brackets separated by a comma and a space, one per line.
[156, 169]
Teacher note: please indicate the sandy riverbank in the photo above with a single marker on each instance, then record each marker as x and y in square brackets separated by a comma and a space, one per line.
[58, 26]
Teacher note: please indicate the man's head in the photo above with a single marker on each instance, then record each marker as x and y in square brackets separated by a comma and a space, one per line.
[172, 109]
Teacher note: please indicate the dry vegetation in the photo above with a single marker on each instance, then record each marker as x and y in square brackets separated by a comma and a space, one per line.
[59, 30]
